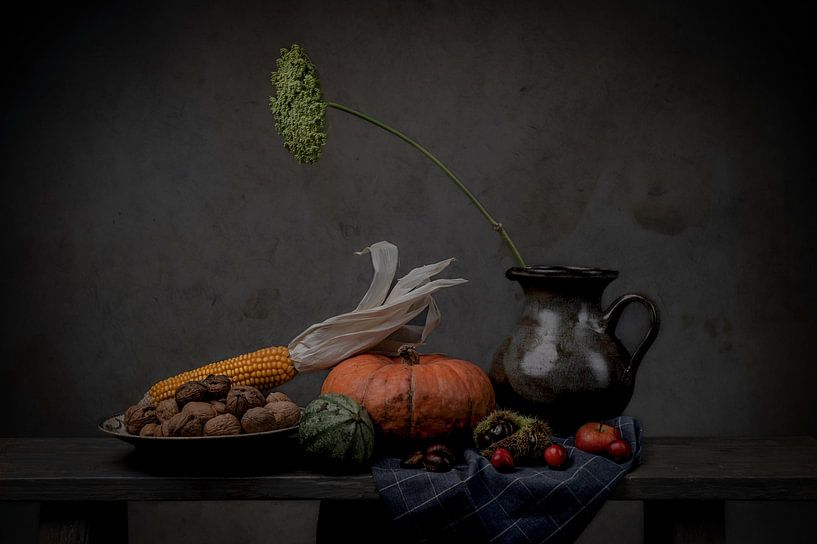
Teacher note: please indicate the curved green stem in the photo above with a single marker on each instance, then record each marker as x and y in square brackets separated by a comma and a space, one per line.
[497, 226]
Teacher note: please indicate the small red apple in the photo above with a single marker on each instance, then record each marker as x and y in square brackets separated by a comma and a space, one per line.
[619, 451]
[556, 456]
[502, 460]
[594, 437]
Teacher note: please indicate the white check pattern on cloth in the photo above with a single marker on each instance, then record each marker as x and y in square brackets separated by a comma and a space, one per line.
[473, 501]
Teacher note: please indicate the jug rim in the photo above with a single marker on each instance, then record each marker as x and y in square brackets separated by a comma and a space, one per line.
[561, 271]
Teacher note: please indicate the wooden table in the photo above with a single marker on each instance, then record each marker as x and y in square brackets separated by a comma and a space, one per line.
[84, 483]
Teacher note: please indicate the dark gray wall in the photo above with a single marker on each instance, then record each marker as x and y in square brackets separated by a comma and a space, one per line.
[153, 221]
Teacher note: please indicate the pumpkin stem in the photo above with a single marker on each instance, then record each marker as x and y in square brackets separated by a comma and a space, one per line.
[409, 354]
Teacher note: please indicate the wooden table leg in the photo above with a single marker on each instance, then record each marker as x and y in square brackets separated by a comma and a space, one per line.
[84, 522]
[684, 522]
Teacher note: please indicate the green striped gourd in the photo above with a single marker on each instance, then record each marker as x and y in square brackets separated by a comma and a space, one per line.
[336, 429]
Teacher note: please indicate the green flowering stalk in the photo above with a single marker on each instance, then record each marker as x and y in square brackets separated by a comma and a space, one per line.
[300, 118]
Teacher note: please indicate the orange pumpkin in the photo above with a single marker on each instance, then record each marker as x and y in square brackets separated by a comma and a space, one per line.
[415, 397]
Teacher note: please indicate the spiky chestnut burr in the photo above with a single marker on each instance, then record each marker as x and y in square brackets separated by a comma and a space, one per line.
[524, 437]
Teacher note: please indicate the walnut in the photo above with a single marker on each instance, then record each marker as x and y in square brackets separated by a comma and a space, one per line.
[167, 409]
[202, 410]
[193, 427]
[258, 420]
[158, 430]
[217, 385]
[150, 429]
[220, 406]
[166, 427]
[183, 424]
[221, 425]
[277, 396]
[287, 413]
[190, 392]
[137, 417]
[128, 415]
[170, 426]
[243, 397]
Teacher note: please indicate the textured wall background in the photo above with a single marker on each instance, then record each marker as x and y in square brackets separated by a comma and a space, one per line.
[152, 220]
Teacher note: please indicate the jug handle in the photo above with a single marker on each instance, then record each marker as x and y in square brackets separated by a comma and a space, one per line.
[611, 317]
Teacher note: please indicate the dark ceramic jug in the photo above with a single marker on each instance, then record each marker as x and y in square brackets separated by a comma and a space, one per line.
[563, 361]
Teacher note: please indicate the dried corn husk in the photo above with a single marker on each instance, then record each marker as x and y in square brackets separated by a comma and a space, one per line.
[379, 323]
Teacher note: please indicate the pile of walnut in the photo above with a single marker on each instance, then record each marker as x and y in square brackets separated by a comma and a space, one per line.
[213, 407]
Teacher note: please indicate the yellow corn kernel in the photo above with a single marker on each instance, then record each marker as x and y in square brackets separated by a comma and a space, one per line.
[264, 369]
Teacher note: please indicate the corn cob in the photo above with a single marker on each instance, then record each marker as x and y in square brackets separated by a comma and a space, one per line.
[264, 369]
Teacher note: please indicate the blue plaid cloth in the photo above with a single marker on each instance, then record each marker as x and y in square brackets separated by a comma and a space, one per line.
[475, 502]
